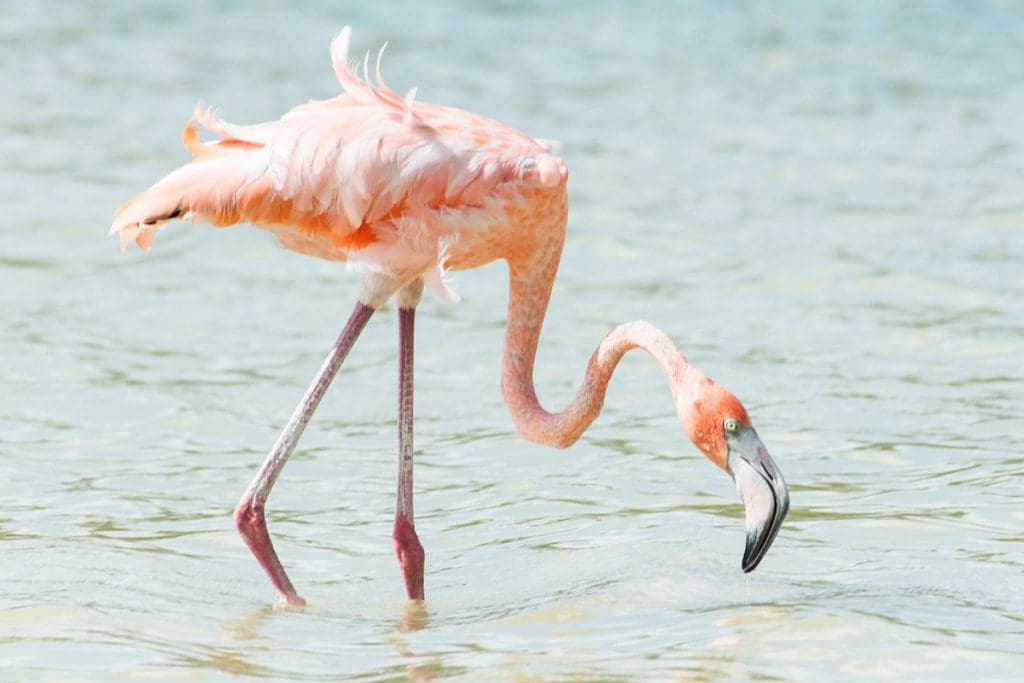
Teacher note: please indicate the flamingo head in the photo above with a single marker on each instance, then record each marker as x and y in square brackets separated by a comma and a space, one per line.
[719, 426]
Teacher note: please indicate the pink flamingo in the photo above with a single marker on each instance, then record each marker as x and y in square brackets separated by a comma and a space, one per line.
[407, 191]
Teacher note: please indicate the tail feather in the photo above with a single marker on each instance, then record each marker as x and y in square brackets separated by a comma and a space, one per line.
[326, 168]
[220, 189]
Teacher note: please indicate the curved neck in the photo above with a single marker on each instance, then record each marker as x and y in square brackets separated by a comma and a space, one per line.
[529, 291]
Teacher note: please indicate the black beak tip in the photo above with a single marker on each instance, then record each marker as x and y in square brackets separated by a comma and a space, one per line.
[751, 558]
[760, 540]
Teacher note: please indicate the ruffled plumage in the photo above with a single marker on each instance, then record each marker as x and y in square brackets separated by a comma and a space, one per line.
[333, 177]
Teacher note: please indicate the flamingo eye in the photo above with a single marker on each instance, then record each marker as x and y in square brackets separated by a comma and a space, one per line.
[731, 425]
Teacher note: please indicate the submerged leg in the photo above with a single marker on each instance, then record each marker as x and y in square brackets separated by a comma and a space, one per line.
[249, 515]
[407, 543]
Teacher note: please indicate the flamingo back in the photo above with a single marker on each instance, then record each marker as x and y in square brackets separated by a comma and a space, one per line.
[333, 178]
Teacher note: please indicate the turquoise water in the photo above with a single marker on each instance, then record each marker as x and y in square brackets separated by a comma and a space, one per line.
[821, 202]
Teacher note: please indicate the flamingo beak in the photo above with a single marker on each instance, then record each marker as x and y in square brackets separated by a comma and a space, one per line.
[762, 490]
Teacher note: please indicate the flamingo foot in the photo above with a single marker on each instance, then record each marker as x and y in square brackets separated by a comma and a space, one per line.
[410, 556]
[252, 525]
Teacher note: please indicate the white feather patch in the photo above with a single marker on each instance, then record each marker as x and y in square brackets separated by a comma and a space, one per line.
[439, 278]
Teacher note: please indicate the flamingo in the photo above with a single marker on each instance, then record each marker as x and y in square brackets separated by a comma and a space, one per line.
[407, 191]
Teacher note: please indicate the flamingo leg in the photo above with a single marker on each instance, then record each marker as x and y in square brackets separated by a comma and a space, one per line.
[407, 544]
[249, 514]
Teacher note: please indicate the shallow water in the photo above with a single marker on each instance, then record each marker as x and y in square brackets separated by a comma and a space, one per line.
[820, 202]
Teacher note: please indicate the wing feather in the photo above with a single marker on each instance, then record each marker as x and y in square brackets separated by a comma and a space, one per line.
[332, 168]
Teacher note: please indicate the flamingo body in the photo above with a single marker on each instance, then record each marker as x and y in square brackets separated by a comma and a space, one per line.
[394, 185]
[406, 191]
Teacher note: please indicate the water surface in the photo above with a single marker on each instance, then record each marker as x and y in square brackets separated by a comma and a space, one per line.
[820, 202]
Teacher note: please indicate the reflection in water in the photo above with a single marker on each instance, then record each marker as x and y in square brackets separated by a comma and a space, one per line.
[415, 617]
[252, 630]
[725, 656]
[230, 662]
[247, 628]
